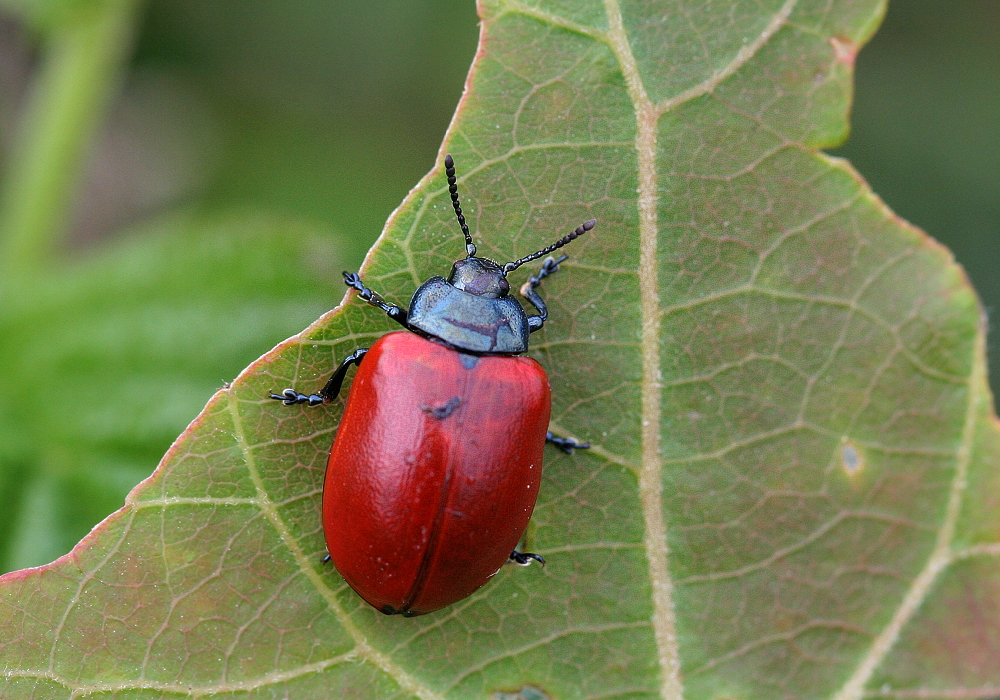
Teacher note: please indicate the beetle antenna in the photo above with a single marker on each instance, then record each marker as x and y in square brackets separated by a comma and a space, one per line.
[449, 170]
[580, 230]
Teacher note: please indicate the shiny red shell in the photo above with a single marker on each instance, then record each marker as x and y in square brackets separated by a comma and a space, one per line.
[434, 471]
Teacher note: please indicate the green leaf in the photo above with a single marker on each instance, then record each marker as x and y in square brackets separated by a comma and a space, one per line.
[792, 487]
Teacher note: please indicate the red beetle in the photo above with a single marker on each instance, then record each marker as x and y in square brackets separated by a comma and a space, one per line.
[437, 461]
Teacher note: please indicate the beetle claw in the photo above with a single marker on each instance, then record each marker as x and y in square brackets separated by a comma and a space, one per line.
[283, 397]
[525, 558]
[550, 265]
[352, 279]
[567, 445]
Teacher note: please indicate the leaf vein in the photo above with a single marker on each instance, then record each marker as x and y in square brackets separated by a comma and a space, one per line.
[664, 617]
[363, 649]
[78, 690]
[743, 56]
[941, 556]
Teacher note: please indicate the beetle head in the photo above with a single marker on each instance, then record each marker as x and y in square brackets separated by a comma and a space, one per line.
[479, 276]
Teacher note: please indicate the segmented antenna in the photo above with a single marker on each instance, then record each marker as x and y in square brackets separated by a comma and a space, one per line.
[449, 170]
[580, 230]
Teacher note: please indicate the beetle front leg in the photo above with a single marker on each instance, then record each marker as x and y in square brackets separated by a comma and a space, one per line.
[396, 313]
[528, 292]
[567, 445]
[329, 392]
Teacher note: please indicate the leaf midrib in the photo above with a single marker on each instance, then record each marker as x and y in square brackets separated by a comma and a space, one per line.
[650, 480]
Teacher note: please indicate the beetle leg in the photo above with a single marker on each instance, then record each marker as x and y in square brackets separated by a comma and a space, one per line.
[332, 388]
[528, 292]
[525, 558]
[567, 445]
[329, 392]
[396, 313]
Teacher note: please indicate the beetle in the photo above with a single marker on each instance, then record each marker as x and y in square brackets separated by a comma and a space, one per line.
[437, 461]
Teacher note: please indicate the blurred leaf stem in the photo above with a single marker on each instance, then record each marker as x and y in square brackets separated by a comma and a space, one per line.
[84, 52]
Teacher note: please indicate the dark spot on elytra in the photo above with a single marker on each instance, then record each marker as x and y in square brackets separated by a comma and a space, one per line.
[442, 412]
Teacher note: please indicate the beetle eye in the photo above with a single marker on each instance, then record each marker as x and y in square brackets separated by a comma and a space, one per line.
[504, 286]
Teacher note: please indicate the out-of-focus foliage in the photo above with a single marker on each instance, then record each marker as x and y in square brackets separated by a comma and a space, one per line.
[252, 151]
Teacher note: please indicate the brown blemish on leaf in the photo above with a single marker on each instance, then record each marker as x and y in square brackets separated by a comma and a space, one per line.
[844, 50]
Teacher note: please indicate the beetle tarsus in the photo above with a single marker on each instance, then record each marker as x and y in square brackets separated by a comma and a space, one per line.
[327, 559]
[548, 267]
[290, 397]
[396, 313]
[353, 280]
[525, 558]
[329, 392]
[528, 292]
[567, 445]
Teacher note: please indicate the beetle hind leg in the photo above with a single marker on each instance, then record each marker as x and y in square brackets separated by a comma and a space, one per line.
[567, 445]
[329, 392]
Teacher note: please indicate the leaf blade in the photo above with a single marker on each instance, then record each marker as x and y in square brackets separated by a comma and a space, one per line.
[783, 383]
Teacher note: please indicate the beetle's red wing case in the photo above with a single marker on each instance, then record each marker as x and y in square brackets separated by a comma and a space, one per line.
[434, 472]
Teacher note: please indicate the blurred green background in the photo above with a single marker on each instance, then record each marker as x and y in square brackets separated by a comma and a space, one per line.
[251, 150]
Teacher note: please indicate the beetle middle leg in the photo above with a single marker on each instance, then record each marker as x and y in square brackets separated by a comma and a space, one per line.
[329, 392]
[567, 445]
